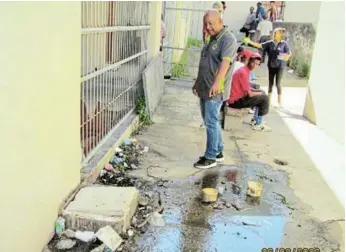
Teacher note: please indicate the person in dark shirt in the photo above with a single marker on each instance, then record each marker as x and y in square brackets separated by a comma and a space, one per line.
[278, 54]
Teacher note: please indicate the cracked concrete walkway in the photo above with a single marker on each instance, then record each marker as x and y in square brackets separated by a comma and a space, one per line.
[176, 141]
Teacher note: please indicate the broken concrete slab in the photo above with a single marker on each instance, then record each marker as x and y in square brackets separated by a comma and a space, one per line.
[97, 206]
[109, 237]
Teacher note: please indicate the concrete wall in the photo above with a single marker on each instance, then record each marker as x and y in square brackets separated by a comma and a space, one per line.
[327, 78]
[39, 111]
[302, 11]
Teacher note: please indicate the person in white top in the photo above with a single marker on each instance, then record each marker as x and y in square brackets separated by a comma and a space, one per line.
[264, 30]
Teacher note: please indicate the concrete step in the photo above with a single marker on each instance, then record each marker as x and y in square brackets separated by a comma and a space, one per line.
[97, 206]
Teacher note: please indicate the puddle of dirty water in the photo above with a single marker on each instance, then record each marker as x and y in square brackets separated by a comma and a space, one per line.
[195, 226]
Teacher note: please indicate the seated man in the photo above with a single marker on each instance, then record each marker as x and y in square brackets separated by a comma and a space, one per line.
[243, 96]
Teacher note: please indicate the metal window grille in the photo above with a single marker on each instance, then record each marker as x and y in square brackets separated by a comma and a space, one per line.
[114, 54]
[184, 41]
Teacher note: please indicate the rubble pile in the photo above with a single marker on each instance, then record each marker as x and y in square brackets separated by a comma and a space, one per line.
[126, 158]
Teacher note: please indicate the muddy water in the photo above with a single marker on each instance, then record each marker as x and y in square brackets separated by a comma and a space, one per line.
[195, 226]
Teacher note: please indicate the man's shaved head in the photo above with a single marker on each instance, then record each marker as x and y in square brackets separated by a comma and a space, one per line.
[213, 22]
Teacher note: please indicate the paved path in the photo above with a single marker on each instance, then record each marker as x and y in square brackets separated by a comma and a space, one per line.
[310, 216]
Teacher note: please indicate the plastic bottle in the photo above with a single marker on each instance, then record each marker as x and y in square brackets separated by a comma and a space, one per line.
[60, 225]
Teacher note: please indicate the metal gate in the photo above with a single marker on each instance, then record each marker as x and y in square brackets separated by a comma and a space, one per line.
[114, 54]
[183, 43]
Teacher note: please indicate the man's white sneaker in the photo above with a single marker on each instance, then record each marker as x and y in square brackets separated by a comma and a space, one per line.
[251, 111]
[262, 127]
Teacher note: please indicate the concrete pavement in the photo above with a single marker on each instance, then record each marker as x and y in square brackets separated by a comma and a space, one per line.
[176, 141]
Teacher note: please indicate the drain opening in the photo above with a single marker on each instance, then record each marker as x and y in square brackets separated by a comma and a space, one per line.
[280, 162]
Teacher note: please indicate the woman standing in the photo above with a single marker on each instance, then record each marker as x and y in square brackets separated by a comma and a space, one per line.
[278, 54]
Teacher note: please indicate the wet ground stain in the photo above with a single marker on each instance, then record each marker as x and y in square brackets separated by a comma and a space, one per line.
[192, 225]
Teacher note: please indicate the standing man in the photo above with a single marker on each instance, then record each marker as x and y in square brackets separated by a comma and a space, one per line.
[249, 22]
[213, 72]
[264, 29]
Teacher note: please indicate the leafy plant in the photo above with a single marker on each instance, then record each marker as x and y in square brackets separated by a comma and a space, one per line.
[304, 70]
[181, 68]
[141, 110]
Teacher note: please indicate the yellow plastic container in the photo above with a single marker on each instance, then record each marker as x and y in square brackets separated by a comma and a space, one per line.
[254, 189]
[209, 194]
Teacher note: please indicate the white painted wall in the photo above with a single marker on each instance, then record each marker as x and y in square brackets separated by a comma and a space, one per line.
[302, 11]
[327, 78]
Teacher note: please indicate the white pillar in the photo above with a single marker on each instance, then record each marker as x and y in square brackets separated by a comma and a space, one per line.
[155, 29]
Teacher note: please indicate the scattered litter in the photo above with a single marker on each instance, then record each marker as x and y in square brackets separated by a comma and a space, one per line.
[116, 160]
[102, 173]
[109, 167]
[254, 189]
[130, 141]
[291, 71]
[219, 206]
[209, 194]
[156, 219]
[145, 149]
[237, 205]
[118, 179]
[143, 202]
[251, 224]
[118, 150]
[60, 225]
[109, 237]
[100, 248]
[65, 244]
[130, 232]
[85, 236]
[133, 166]
[69, 233]
[220, 190]
[228, 205]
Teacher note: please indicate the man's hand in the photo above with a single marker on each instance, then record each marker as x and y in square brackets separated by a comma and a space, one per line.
[194, 89]
[215, 90]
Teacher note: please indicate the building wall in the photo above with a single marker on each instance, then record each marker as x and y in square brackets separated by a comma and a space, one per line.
[327, 79]
[302, 11]
[40, 111]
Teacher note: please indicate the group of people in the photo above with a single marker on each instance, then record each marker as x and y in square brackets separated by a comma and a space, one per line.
[225, 79]
[255, 18]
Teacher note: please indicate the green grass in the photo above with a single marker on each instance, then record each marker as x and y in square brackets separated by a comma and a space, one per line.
[181, 68]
